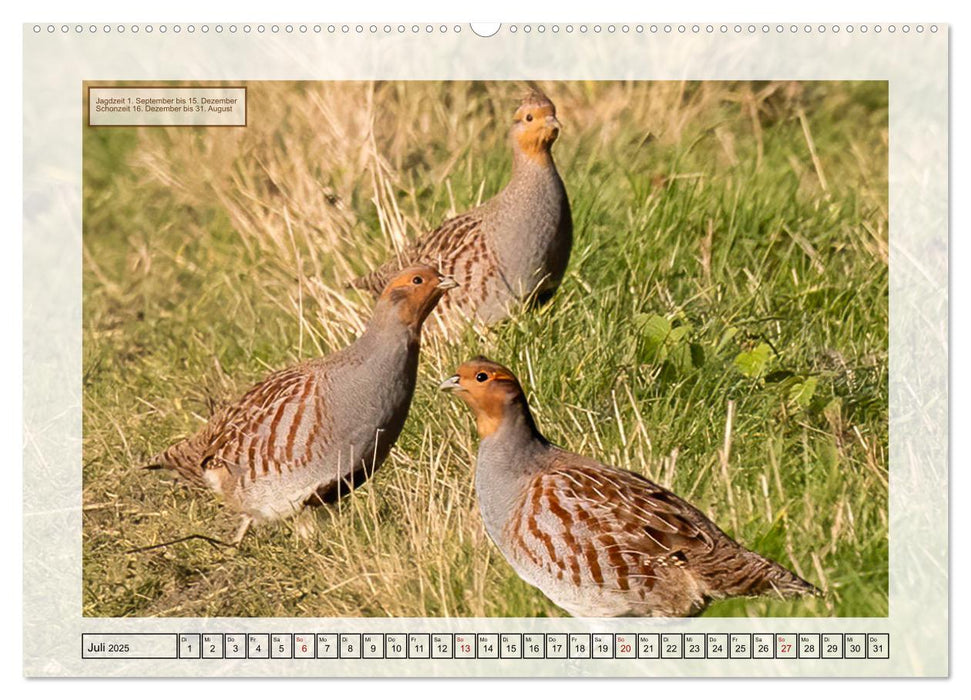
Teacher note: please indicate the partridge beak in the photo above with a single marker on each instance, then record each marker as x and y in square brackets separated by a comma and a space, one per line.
[553, 123]
[446, 283]
[450, 384]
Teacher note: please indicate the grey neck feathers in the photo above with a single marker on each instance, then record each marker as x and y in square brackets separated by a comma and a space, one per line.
[532, 201]
[518, 429]
[507, 460]
[527, 170]
[387, 331]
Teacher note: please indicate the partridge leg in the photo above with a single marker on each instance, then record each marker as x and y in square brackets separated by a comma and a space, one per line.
[243, 529]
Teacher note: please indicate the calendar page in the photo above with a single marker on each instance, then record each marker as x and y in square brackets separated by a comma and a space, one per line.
[485, 350]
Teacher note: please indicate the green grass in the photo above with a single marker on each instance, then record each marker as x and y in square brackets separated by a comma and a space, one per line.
[719, 271]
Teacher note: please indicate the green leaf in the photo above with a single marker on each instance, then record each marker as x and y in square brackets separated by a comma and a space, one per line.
[801, 394]
[697, 355]
[677, 334]
[655, 328]
[726, 338]
[753, 362]
[655, 331]
[680, 358]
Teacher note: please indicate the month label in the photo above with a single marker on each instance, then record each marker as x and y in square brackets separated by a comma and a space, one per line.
[130, 646]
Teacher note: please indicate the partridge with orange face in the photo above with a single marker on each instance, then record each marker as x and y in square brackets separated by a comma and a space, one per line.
[598, 541]
[313, 432]
[514, 247]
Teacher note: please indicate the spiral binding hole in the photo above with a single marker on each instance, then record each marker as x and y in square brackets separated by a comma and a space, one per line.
[360, 29]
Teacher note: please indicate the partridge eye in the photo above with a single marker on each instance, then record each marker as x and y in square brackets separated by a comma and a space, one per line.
[417, 280]
[481, 377]
[529, 117]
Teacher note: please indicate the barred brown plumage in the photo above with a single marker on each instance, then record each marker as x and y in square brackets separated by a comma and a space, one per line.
[598, 541]
[514, 247]
[311, 433]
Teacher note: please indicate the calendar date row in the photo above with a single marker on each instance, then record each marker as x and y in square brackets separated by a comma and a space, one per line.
[486, 646]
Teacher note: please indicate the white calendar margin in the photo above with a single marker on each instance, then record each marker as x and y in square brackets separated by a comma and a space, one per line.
[916, 66]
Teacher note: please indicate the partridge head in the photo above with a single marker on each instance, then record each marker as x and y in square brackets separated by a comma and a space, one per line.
[411, 296]
[535, 127]
[492, 392]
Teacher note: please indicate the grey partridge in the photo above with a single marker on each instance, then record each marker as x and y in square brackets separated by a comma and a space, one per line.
[311, 433]
[596, 540]
[511, 249]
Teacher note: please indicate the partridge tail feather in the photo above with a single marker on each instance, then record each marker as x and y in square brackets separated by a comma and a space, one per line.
[758, 576]
[184, 458]
[371, 282]
[788, 585]
[376, 280]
